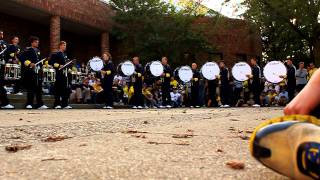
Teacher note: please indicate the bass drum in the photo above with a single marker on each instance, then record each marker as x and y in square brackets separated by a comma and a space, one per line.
[210, 70]
[156, 68]
[185, 74]
[240, 71]
[274, 72]
[95, 64]
[126, 68]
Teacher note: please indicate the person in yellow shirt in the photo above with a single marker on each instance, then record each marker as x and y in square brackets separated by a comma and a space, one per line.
[174, 83]
[311, 70]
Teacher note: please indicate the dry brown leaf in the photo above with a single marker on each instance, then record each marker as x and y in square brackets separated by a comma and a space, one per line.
[219, 150]
[235, 164]
[231, 129]
[55, 138]
[145, 122]
[156, 143]
[138, 136]
[183, 143]
[54, 159]
[17, 147]
[130, 131]
[81, 145]
[15, 137]
[182, 136]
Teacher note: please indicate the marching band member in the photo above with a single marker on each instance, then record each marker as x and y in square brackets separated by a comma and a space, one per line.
[3, 93]
[256, 82]
[32, 76]
[224, 86]
[165, 86]
[212, 92]
[195, 86]
[12, 56]
[107, 75]
[61, 85]
[291, 79]
[137, 81]
[13, 51]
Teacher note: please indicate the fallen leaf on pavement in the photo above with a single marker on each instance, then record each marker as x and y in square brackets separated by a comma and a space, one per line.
[130, 131]
[219, 150]
[183, 143]
[54, 159]
[156, 143]
[145, 122]
[182, 136]
[138, 136]
[55, 138]
[235, 164]
[17, 147]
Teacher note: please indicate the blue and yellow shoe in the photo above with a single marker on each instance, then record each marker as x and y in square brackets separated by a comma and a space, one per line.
[289, 145]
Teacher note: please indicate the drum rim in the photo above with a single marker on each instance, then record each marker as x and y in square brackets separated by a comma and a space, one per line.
[157, 61]
[124, 63]
[96, 57]
[179, 73]
[207, 63]
[266, 66]
[235, 66]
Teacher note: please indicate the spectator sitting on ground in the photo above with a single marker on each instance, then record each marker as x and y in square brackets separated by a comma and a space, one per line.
[283, 98]
[270, 98]
[173, 83]
[97, 91]
[82, 93]
[150, 101]
[176, 98]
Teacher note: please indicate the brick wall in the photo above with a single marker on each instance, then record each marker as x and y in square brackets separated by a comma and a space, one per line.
[233, 39]
[81, 47]
[90, 12]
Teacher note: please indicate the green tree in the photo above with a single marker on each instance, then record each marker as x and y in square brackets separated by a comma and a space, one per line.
[289, 28]
[154, 28]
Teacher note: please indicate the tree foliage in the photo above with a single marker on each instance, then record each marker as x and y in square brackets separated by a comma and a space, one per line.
[289, 28]
[154, 28]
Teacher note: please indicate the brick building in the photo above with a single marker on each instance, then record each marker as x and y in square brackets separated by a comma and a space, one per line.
[233, 40]
[86, 24]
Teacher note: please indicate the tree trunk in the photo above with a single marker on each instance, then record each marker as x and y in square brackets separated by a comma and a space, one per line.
[316, 52]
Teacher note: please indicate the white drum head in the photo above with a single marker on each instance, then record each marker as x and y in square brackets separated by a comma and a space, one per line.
[185, 74]
[273, 70]
[241, 70]
[96, 64]
[127, 68]
[210, 70]
[156, 68]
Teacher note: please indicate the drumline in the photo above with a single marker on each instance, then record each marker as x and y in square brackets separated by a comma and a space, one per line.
[12, 72]
[274, 71]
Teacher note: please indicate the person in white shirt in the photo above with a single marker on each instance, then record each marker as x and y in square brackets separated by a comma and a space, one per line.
[176, 98]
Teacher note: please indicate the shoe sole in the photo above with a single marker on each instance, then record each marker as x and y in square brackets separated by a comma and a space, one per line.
[298, 118]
